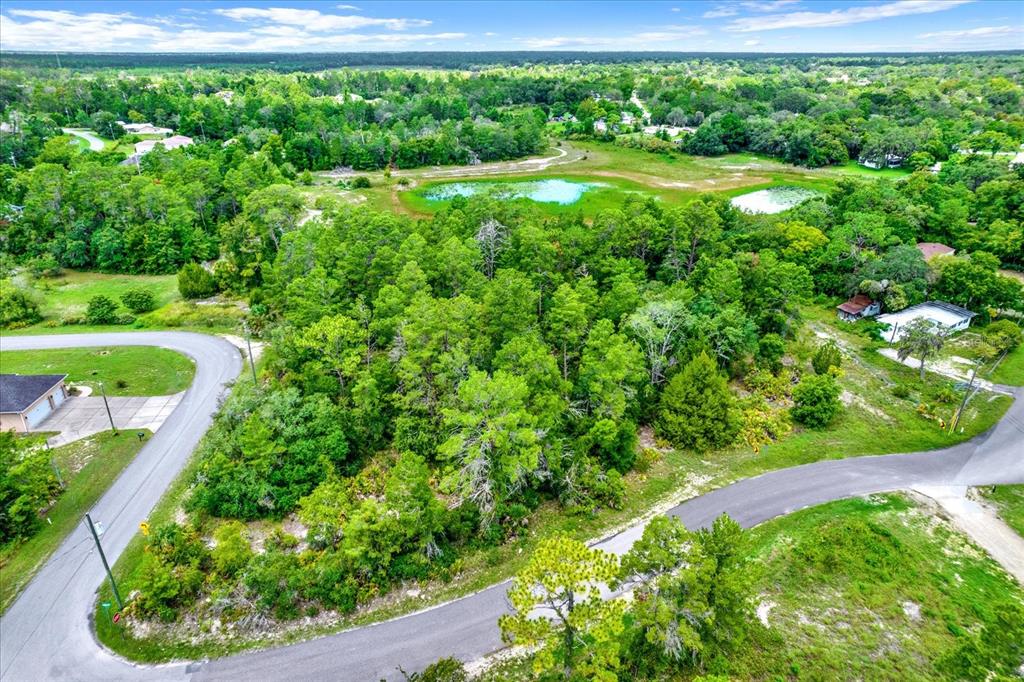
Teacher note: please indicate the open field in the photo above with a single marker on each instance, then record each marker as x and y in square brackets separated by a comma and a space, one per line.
[1011, 370]
[872, 588]
[124, 371]
[88, 467]
[68, 294]
[875, 422]
[671, 178]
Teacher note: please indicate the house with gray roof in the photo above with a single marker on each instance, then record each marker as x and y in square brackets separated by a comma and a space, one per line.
[27, 399]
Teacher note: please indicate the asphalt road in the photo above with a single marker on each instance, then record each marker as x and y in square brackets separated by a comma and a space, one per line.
[46, 633]
[54, 640]
[95, 143]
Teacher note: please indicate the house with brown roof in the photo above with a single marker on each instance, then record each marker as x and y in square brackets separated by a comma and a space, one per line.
[857, 307]
[932, 249]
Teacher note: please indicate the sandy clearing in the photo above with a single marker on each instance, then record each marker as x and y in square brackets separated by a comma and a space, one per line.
[982, 524]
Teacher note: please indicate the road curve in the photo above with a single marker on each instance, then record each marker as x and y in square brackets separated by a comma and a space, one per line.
[46, 633]
[95, 143]
[467, 628]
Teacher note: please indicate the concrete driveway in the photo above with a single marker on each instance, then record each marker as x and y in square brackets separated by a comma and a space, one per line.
[81, 416]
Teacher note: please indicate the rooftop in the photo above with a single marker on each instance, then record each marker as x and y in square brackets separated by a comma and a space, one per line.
[932, 249]
[19, 391]
[855, 304]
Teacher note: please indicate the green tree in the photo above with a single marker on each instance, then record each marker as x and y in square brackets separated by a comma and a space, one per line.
[231, 551]
[567, 323]
[494, 444]
[340, 341]
[578, 632]
[195, 282]
[697, 409]
[923, 339]
[409, 497]
[138, 300]
[17, 309]
[101, 310]
[770, 349]
[26, 484]
[826, 357]
[816, 400]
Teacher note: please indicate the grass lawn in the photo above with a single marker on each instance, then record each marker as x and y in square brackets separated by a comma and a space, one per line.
[1011, 370]
[876, 422]
[69, 293]
[1009, 500]
[88, 467]
[124, 370]
[869, 588]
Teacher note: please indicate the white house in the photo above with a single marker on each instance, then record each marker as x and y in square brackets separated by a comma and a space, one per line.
[949, 318]
[144, 129]
[173, 142]
[600, 126]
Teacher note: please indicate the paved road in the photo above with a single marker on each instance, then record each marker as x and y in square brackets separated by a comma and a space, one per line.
[467, 628]
[46, 633]
[95, 143]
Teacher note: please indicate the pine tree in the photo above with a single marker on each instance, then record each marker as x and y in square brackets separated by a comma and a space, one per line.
[697, 409]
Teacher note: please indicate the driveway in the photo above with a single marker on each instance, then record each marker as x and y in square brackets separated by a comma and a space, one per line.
[81, 416]
[95, 143]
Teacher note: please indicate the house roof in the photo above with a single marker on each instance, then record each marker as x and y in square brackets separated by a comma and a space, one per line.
[932, 249]
[855, 304]
[19, 391]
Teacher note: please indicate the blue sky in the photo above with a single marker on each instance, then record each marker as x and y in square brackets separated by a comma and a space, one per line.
[338, 26]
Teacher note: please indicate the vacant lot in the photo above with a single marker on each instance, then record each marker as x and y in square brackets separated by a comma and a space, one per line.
[1009, 500]
[875, 588]
[124, 370]
[68, 294]
[87, 467]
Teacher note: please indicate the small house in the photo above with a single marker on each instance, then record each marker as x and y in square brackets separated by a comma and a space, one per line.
[858, 307]
[600, 126]
[947, 317]
[932, 249]
[28, 399]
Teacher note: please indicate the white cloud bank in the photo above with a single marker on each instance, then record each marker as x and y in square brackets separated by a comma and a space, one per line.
[841, 17]
[260, 30]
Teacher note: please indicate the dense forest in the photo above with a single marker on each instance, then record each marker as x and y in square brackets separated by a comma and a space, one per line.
[428, 384]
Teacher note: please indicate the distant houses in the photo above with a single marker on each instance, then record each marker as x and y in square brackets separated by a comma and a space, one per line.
[947, 317]
[173, 142]
[600, 126]
[932, 249]
[858, 307]
[144, 129]
[890, 161]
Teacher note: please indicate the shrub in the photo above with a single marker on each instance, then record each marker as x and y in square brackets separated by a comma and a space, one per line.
[101, 310]
[697, 409]
[770, 350]
[17, 309]
[26, 484]
[138, 301]
[443, 670]
[360, 182]
[1003, 335]
[816, 400]
[232, 551]
[901, 391]
[195, 282]
[44, 266]
[826, 357]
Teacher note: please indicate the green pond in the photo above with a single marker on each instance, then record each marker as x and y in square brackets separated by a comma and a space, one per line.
[553, 191]
[773, 199]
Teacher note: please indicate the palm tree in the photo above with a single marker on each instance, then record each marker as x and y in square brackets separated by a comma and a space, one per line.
[923, 339]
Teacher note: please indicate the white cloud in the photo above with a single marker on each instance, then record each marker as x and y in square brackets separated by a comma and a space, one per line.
[751, 43]
[634, 41]
[675, 9]
[313, 20]
[24, 29]
[721, 11]
[841, 17]
[768, 5]
[490, 34]
[351, 7]
[980, 32]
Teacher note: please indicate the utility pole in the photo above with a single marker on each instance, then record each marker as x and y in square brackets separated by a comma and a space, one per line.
[107, 405]
[248, 344]
[963, 403]
[106, 566]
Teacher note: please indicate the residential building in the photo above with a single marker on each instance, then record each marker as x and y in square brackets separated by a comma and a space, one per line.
[858, 307]
[949, 318]
[28, 399]
[932, 249]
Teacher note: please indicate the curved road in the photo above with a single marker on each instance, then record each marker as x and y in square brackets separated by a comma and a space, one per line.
[95, 143]
[466, 628]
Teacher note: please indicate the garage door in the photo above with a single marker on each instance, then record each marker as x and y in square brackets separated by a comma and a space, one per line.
[38, 413]
[58, 397]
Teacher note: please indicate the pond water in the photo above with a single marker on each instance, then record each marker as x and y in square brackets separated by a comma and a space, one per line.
[773, 200]
[553, 191]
